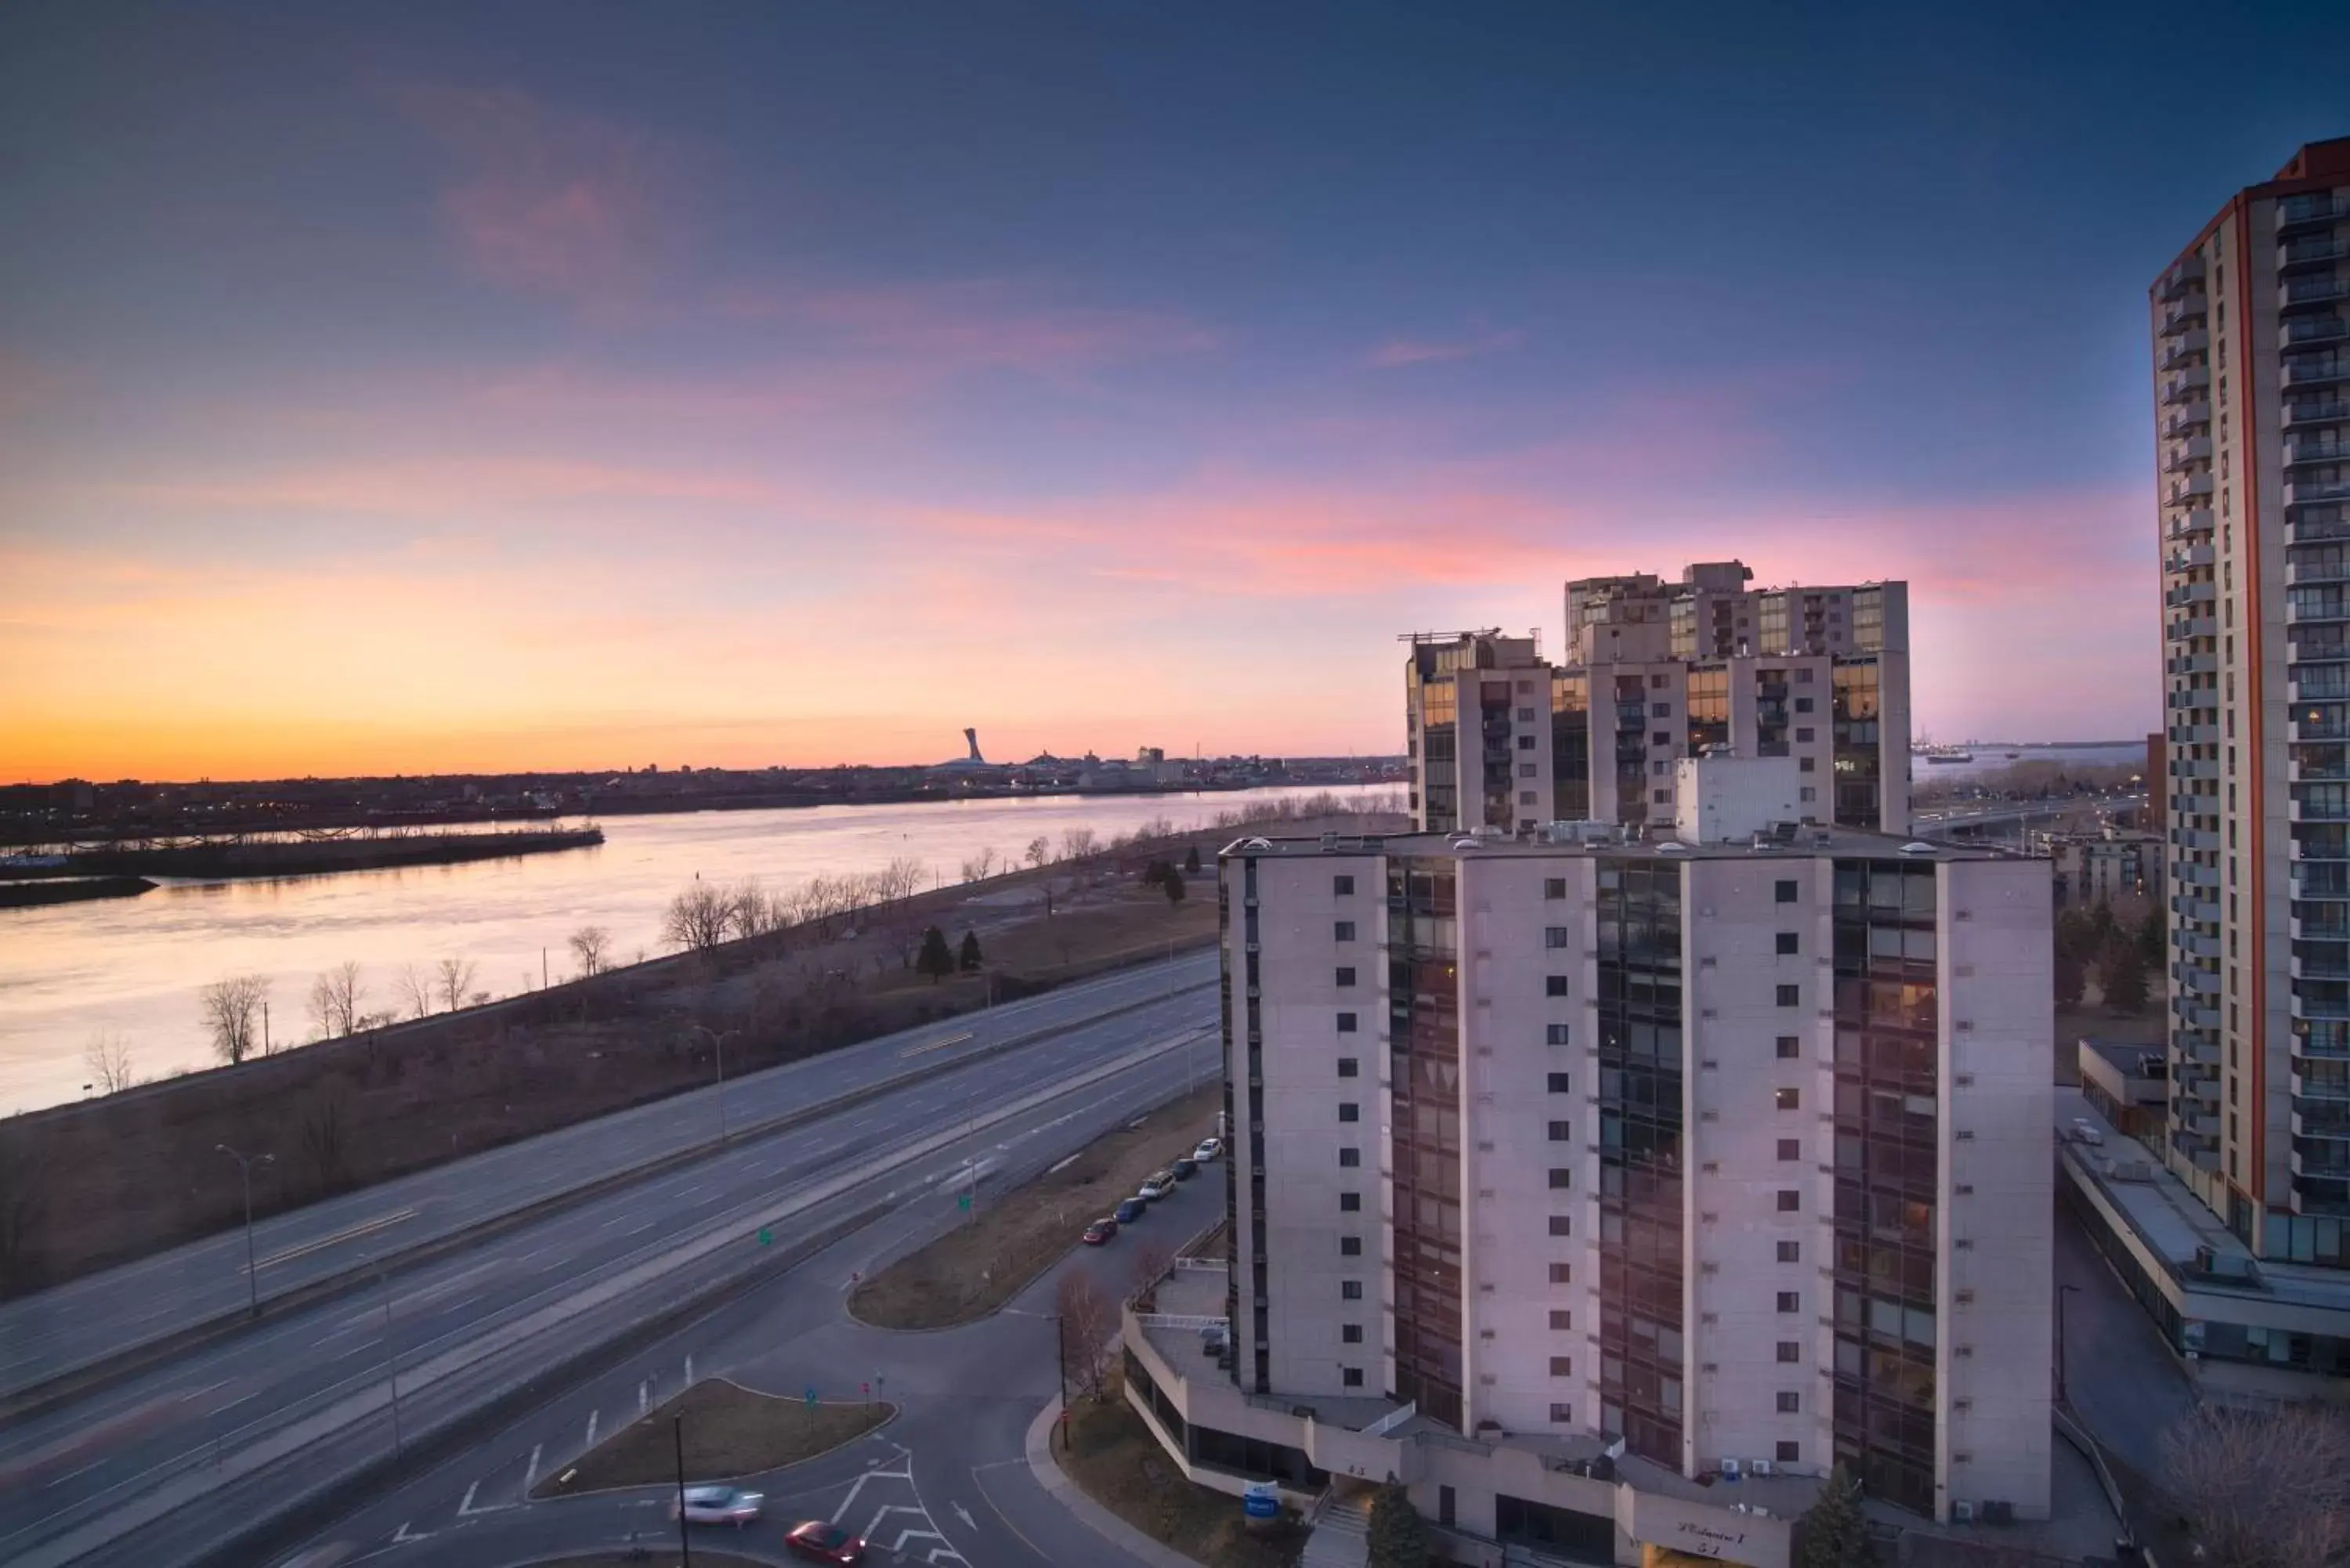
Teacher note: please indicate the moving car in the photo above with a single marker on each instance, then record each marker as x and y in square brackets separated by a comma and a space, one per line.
[1160, 1184]
[1129, 1209]
[1184, 1167]
[821, 1542]
[717, 1505]
[1100, 1231]
[1209, 1149]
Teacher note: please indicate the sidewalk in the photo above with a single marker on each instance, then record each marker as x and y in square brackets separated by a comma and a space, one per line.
[1093, 1515]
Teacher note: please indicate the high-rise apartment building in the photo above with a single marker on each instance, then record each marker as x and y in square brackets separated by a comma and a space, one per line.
[1655, 672]
[2251, 391]
[1570, 1175]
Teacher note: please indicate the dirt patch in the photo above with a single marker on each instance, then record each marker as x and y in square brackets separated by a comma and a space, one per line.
[976, 1267]
[730, 1432]
[353, 1111]
[1114, 1461]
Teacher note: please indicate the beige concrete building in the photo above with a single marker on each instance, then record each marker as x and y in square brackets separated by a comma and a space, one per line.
[1608, 1193]
[2251, 396]
[1655, 672]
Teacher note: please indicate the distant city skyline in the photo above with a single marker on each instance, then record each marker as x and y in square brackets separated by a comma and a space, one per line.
[396, 393]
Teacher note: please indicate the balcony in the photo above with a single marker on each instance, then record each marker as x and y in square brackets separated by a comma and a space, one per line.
[2328, 1088]
[2186, 385]
[2190, 522]
[2185, 274]
[2319, 1009]
[2192, 735]
[2188, 874]
[2203, 912]
[2189, 594]
[2299, 573]
[2317, 210]
[2315, 372]
[2296, 331]
[2301, 293]
[2315, 411]
[2304, 491]
[2185, 421]
[2326, 1166]
[2185, 491]
[2327, 1045]
[2182, 313]
[2187, 453]
[2316, 528]
[2316, 449]
[2293, 256]
[2321, 1119]
[2190, 664]
[2187, 348]
[2314, 883]
[2187, 630]
[2188, 559]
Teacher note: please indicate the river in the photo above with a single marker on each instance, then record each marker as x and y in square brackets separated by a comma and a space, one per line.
[132, 967]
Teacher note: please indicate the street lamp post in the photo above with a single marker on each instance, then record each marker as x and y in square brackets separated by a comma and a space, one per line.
[718, 1041]
[245, 1164]
[684, 1546]
[2062, 1292]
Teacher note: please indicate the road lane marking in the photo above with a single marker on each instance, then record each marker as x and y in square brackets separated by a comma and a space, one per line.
[364, 1228]
[467, 1506]
[936, 1044]
[530, 1471]
[591, 1428]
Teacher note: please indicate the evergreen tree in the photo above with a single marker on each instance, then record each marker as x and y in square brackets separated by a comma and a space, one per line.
[1832, 1533]
[2071, 979]
[1191, 860]
[2152, 937]
[1398, 1539]
[968, 957]
[1173, 883]
[934, 960]
[2101, 924]
[2123, 979]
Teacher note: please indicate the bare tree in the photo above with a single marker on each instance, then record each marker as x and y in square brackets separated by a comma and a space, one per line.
[320, 1135]
[980, 866]
[415, 990]
[334, 999]
[1040, 850]
[451, 979]
[1088, 1316]
[2261, 1490]
[700, 917]
[106, 1059]
[232, 1010]
[591, 945]
[1077, 844]
[1152, 1260]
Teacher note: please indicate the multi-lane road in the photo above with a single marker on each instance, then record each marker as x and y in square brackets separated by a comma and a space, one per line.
[216, 1438]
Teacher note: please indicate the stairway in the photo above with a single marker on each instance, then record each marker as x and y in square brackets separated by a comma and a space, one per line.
[1341, 1537]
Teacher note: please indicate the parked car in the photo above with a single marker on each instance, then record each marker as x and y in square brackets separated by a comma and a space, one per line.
[1160, 1184]
[1129, 1209]
[821, 1542]
[1209, 1149]
[1184, 1167]
[717, 1505]
[1100, 1231]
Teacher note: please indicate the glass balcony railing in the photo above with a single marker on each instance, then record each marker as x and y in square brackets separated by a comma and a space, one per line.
[2315, 411]
[2300, 253]
[2316, 372]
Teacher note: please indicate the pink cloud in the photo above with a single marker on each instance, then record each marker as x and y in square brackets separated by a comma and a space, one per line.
[1401, 351]
[427, 486]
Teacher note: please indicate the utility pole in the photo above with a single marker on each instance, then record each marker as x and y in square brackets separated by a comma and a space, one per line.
[391, 1363]
[684, 1546]
[265, 1026]
[718, 1041]
[244, 1165]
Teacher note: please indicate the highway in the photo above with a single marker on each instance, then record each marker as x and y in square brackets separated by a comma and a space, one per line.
[104, 1315]
[211, 1440]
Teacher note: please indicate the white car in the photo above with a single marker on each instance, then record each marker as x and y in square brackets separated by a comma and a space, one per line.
[1209, 1149]
[1157, 1188]
[717, 1505]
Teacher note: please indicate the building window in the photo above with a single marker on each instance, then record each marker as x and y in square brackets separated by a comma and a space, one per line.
[1661, 738]
[1562, 1319]
[1349, 1067]
[1350, 1246]
[1807, 795]
[1526, 715]
[1562, 1132]
[1554, 985]
[1790, 1403]
[1562, 1366]
[1791, 1301]
[1791, 1201]
[1350, 1203]
[1790, 996]
[1791, 1251]
[1790, 1148]
[1346, 1023]
[1555, 1034]
[1790, 1350]
[1788, 1099]
[1349, 1158]
[1554, 936]
[1559, 1085]
[1346, 975]
[1342, 931]
[1790, 941]
[1561, 1179]
[1525, 770]
[1807, 765]
[1348, 1111]
[1562, 1415]
[1342, 885]
[1802, 704]
[1561, 1273]
[1350, 1333]
[1526, 742]
[1351, 1377]
[1554, 887]
[1562, 1224]
[1790, 1046]
[1790, 1451]
[1783, 892]
[1803, 734]
[1803, 677]
[1661, 797]
[1352, 1291]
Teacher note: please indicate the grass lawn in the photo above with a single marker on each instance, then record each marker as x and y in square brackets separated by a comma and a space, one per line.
[1020, 1234]
[656, 1557]
[728, 1431]
[1114, 1461]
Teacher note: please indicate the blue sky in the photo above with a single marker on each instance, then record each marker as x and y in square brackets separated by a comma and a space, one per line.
[1105, 375]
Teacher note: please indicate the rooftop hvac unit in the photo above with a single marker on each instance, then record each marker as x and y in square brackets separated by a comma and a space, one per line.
[1758, 1466]
[1730, 1469]
[1963, 1512]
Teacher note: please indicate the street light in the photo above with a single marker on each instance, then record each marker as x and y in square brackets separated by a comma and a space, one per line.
[245, 1164]
[718, 1041]
[2062, 1292]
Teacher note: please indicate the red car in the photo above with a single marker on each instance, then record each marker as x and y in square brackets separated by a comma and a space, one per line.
[821, 1542]
[1099, 1232]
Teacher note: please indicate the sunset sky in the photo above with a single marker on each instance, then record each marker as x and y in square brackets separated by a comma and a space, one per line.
[436, 387]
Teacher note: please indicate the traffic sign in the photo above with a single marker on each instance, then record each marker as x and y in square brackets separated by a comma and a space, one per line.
[811, 1396]
[766, 1237]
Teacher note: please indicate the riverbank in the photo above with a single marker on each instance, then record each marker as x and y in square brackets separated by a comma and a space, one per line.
[64, 888]
[318, 856]
[350, 1112]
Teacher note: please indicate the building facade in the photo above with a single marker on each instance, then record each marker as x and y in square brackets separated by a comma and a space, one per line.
[1720, 1158]
[1657, 673]
[2251, 396]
